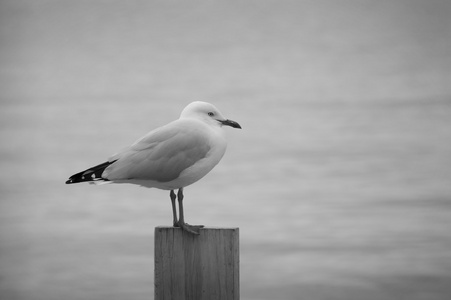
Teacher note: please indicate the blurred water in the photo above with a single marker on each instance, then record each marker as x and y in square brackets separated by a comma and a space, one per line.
[339, 180]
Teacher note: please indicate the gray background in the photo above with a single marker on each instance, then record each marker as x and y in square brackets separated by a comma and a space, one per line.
[339, 180]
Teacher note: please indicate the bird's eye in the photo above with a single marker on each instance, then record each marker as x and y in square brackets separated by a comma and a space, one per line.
[211, 114]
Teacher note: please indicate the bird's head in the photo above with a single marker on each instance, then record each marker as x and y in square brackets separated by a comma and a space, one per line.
[208, 113]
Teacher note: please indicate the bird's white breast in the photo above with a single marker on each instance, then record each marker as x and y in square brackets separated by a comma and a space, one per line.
[216, 138]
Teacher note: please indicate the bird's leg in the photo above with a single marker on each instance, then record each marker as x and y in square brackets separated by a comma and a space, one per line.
[194, 229]
[174, 210]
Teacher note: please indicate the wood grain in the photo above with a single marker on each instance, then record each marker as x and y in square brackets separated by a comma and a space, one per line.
[202, 267]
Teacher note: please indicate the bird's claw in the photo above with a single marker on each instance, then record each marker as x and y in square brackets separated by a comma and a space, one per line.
[193, 229]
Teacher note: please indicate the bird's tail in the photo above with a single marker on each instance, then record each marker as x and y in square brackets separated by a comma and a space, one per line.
[91, 174]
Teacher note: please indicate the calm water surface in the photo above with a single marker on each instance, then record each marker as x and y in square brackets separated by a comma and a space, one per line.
[339, 180]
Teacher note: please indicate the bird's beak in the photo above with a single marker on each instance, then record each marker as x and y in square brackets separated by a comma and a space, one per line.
[230, 123]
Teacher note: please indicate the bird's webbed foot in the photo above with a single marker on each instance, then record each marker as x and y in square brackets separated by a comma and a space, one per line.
[193, 229]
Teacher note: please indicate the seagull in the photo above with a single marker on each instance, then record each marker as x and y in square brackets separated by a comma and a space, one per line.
[170, 157]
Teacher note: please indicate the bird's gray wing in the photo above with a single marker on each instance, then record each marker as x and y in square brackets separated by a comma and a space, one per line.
[162, 154]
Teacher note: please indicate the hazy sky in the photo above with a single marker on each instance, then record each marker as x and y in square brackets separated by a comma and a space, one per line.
[320, 49]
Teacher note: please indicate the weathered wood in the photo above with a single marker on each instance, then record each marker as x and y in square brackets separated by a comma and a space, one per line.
[196, 267]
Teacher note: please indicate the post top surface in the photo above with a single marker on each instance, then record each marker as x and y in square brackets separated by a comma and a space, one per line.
[205, 228]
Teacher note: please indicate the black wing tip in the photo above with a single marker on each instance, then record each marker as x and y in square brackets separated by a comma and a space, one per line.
[73, 179]
[91, 174]
[78, 178]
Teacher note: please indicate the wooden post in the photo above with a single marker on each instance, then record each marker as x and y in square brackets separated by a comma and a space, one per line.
[197, 267]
